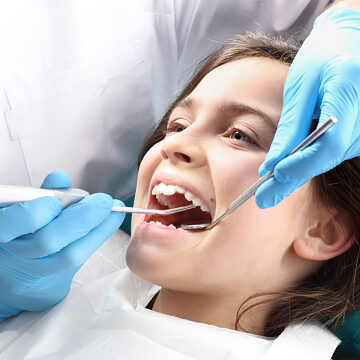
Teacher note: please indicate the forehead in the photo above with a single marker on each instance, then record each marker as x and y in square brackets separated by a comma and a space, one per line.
[257, 82]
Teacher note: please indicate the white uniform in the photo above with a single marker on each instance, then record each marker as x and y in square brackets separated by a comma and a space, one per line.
[82, 82]
[106, 319]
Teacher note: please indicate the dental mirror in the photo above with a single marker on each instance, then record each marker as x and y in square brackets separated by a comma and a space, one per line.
[251, 191]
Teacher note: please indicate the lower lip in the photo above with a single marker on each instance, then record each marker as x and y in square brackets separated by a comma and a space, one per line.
[161, 231]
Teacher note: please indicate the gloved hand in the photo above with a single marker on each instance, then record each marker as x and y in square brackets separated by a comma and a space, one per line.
[42, 247]
[323, 80]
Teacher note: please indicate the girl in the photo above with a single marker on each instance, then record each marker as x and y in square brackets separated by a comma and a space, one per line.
[258, 270]
[228, 292]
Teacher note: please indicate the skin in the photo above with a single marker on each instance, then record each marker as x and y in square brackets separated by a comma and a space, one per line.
[347, 4]
[206, 275]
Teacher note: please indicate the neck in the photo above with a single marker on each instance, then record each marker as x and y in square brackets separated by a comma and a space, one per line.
[216, 310]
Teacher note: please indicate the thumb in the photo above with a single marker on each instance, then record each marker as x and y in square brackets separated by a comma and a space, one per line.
[272, 192]
[57, 180]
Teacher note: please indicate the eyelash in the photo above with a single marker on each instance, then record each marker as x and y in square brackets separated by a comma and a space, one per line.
[246, 137]
[231, 131]
[171, 124]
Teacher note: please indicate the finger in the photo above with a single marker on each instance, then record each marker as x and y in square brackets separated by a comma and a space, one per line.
[300, 97]
[325, 153]
[297, 169]
[316, 159]
[27, 217]
[340, 97]
[56, 287]
[73, 223]
[31, 285]
[56, 180]
[7, 311]
[75, 254]
[272, 192]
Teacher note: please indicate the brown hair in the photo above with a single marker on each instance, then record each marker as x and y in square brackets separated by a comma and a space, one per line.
[333, 291]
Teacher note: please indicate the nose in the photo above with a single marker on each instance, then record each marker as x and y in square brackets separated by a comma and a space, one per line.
[182, 149]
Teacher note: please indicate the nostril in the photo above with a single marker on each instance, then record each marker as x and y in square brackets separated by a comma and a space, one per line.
[163, 154]
[182, 157]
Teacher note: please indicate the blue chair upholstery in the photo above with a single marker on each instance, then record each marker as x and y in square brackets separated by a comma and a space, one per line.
[349, 333]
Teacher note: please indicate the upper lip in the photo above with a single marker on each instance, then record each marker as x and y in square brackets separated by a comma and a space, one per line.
[172, 179]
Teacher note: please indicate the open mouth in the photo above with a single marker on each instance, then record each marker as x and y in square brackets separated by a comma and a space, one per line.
[164, 196]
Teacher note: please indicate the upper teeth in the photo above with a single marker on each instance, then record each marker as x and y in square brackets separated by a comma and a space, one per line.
[162, 189]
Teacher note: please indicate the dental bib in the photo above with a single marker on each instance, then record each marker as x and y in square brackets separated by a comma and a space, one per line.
[105, 317]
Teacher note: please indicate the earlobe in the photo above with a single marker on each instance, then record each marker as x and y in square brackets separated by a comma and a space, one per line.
[326, 239]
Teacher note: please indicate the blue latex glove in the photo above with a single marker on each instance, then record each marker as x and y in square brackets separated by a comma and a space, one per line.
[323, 80]
[42, 247]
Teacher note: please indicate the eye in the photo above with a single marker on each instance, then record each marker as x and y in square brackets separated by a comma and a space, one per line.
[175, 127]
[239, 135]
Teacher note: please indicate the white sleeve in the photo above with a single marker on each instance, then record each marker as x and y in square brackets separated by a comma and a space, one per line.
[202, 25]
[300, 16]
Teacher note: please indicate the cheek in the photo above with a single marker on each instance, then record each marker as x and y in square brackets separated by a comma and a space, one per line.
[251, 232]
[147, 168]
[235, 174]
[251, 244]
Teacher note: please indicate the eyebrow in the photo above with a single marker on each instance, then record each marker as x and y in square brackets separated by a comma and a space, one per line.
[232, 107]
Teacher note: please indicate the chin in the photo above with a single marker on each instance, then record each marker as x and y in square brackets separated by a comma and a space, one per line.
[143, 260]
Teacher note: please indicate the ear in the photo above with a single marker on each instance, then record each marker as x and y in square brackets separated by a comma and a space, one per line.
[326, 237]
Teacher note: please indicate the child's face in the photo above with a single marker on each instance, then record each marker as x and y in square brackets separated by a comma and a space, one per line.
[204, 153]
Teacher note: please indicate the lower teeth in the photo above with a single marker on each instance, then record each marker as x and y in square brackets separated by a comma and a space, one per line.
[170, 226]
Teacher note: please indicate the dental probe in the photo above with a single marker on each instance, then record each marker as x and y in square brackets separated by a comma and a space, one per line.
[251, 191]
[10, 194]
